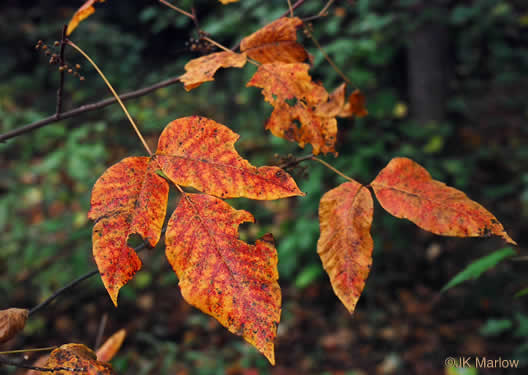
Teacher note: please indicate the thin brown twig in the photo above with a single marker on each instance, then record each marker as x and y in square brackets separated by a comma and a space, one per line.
[330, 61]
[296, 161]
[322, 13]
[100, 331]
[58, 109]
[187, 14]
[290, 8]
[87, 108]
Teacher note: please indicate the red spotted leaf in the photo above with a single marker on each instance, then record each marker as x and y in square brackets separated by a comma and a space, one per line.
[406, 190]
[296, 99]
[86, 10]
[276, 42]
[128, 198]
[345, 245]
[200, 153]
[71, 359]
[234, 282]
[203, 69]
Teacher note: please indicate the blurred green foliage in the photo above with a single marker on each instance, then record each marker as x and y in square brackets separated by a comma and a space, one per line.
[47, 175]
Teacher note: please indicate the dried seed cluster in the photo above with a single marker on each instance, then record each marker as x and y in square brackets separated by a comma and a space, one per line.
[54, 59]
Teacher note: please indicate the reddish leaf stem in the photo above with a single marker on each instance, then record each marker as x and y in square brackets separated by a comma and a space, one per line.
[332, 168]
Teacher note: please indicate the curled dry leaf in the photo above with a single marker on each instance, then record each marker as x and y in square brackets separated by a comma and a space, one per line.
[86, 10]
[355, 106]
[128, 198]
[234, 282]
[77, 359]
[203, 69]
[199, 152]
[276, 42]
[111, 346]
[283, 84]
[406, 190]
[345, 244]
[12, 321]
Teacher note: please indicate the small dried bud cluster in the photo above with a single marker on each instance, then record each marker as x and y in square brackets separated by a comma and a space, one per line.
[55, 59]
[308, 29]
[291, 165]
[200, 45]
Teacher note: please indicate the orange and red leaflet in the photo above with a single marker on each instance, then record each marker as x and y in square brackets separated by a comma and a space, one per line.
[77, 359]
[86, 10]
[232, 281]
[128, 198]
[345, 245]
[355, 106]
[282, 83]
[406, 190]
[203, 69]
[111, 346]
[275, 42]
[199, 152]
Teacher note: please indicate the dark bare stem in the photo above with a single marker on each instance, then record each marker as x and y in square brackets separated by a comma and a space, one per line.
[296, 161]
[10, 362]
[73, 283]
[100, 331]
[330, 61]
[322, 13]
[86, 108]
[61, 74]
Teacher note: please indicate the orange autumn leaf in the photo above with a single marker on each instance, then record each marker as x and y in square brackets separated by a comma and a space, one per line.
[203, 69]
[406, 190]
[276, 42]
[234, 282]
[111, 346]
[355, 106]
[12, 321]
[199, 152]
[228, 1]
[345, 244]
[334, 105]
[77, 359]
[86, 10]
[128, 198]
[283, 84]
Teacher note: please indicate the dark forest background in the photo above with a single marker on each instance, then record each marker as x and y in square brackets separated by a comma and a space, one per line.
[446, 84]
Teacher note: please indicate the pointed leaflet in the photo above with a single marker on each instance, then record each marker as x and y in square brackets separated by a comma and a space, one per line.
[86, 10]
[232, 281]
[77, 359]
[199, 152]
[345, 245]
[128, 198]
[355, 106]
[336, 106]
[275, 42]
[203, 69]
[281, 83]
[406, 190]
[111, 346]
